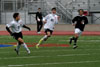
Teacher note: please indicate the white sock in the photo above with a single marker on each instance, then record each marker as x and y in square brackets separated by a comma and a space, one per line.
[25, 46]
[18, 46]
[45, 37]
[41, 40]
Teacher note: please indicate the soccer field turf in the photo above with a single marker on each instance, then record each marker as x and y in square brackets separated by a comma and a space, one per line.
[86, 55]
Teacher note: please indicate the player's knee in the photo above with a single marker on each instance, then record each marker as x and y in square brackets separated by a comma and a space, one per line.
[21, 40]
[76, 35]
[49, 35]
[19, 43]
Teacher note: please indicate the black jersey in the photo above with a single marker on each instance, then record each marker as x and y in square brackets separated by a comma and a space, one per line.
[80, 22]
[39, 15]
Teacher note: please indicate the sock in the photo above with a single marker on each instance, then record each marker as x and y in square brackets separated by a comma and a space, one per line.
[45, 38]
[18, 46]
[25, 46]
[75, 40]
[42, 39]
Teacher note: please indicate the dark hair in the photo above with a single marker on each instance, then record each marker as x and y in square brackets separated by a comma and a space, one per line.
[15, 15]
[53, 8]
[80, 10]
[39, 8]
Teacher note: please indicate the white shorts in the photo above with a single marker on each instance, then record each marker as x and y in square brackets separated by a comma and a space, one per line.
[78, 31]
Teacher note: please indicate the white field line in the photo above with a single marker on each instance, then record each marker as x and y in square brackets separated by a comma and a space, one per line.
[83, 40]
[54, 63]
[28, 57]
[50, 50]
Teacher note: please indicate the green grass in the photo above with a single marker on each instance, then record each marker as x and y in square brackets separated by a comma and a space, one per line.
[86, 55]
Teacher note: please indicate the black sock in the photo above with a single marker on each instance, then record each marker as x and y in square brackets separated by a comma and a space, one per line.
[75, 41]
[73, 38]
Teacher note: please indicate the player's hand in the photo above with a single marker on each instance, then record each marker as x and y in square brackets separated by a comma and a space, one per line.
[38, 20]
[11, 34]
[29, 29]
[73, 24]
[82, 23]
[44, 22]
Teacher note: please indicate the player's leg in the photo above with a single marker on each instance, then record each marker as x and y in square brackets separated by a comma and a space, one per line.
[71, 39]
[41, 41]
[48, 34]
[75, 40]
[37, 27]
[40, 27]
[78, 33]
[24, 44]
[75, 37]
[15, 35]
[17, 48]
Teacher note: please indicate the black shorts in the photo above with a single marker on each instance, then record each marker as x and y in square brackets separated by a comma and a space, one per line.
[48, 30]
[18, 35]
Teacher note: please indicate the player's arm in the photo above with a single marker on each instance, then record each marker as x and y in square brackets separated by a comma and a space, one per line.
[45, 19]
[24, 26]
[86, 20]
[36, 15]
[57, 19]
[8, 29]
[74, 21]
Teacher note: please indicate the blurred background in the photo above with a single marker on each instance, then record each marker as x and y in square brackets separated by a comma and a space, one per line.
[66, 9]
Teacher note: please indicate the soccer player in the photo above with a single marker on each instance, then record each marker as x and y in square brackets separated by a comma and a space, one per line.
[50, 20]
[15, 30]
[79, 22]
[39, 20]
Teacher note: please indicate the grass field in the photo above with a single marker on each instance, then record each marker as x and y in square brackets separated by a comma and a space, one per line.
[86, 55]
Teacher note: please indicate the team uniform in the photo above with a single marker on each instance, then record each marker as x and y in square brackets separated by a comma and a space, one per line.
[16, 28]
[51, 20]
[79, 22]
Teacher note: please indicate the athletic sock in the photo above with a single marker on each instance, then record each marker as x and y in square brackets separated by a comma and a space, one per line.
[18, 46]
[75, 40]
[25, 46]
[42, 39]
[45, 37]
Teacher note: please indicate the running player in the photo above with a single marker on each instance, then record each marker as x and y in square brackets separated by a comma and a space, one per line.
[50, 20]
[79, 22]
[15, 30]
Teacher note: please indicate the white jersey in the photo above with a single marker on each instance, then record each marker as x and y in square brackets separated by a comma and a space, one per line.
[51, 20]
[15, 26]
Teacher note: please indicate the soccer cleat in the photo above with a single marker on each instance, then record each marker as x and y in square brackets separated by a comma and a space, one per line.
[74, 47]
[39, 32]
[28, 52]
[37, 47]
[45, 39]
[16, 51]
[70, 42]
